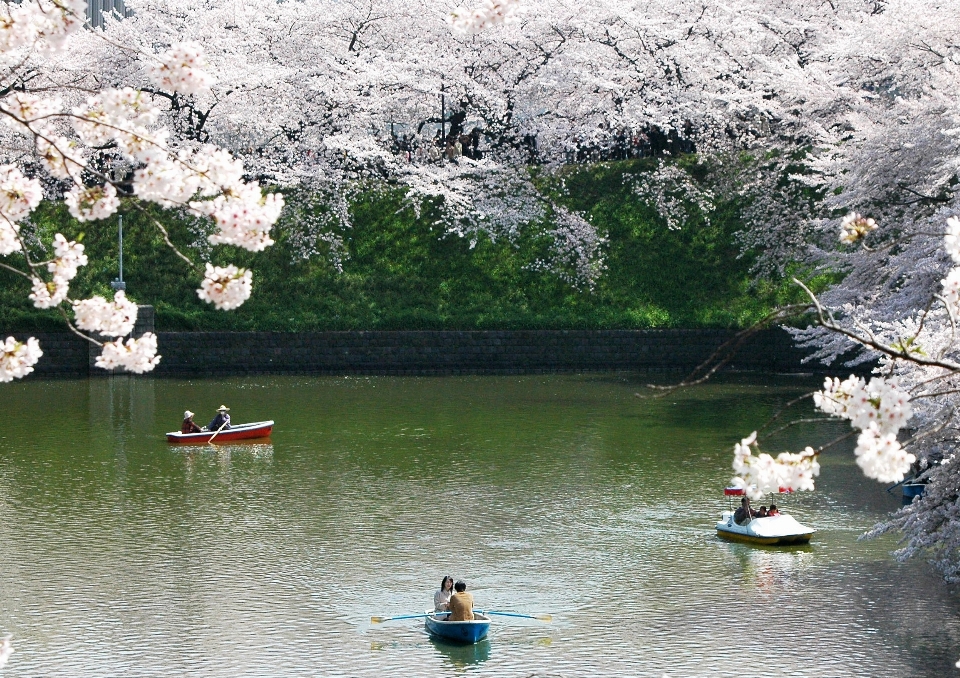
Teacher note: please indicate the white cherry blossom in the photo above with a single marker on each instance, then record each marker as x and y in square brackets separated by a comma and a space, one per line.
[762, 474]
[181, 69]
[951, 240]
[60, 156]
[49, 294]
[19, 196]
[16, 361]
[111, 318]
[121, 115]
[245, 217]
[488, 13]
[880, 402]
[69, 256]
[39, 23]
[855, 227]
[880, 455]
[30, 112]
[136, 355]
[91, 204]
[226, 287]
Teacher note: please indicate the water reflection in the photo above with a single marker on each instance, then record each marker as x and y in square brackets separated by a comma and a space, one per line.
[770, 569]
[460, 656]
[121, 405]
[124, 555]
[244, 452]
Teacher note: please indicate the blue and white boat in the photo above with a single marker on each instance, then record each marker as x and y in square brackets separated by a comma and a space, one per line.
[457, 631]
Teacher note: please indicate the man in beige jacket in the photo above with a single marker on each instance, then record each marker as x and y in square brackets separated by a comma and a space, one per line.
[461, 603]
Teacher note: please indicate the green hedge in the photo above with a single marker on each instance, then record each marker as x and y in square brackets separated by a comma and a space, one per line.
[403, 272]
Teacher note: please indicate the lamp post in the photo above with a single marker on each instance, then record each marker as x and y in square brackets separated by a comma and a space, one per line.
[118, 284]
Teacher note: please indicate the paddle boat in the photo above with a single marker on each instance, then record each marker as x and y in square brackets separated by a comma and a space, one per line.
[258, 429]
[457, 631]
[780, 530]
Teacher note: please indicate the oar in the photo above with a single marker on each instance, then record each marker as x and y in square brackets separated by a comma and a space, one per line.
[380, 620]
[217, 433]
[541, 617]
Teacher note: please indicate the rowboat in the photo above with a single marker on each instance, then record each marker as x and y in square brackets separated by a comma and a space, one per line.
[258, 429]
[458, 631]
[778, 530]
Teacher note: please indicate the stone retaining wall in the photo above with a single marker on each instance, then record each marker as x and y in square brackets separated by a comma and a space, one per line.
[449, 352]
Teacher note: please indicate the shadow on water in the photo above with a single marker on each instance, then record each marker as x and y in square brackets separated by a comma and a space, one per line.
[462, 656]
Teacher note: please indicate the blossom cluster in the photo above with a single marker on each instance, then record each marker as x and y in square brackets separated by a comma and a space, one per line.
[951, 283]
[881, 456]
[181, 70]
[30, 111]
[43, 23]
[489, 13]
[854, 227]
[226, 287]
[91, 204]
[16, 361]
[760, 474]
[244, 217]
[113, 319]
[879, 401]
[136, 355]
[69, 257]
[207, 180]
[879, 408]
[18, 197]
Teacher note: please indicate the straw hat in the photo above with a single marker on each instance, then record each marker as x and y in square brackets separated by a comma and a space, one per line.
[187, 414]
[223, 408]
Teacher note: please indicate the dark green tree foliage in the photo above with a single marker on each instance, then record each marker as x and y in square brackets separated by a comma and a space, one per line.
[401, 271]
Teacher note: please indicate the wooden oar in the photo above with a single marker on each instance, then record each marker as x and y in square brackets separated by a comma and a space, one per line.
[217, 433]
[380, 620]
[541, 617]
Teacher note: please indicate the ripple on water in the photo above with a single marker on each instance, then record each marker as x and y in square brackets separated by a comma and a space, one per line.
[566, 495]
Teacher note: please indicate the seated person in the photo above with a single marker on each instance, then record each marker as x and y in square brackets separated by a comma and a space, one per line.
[222, 419]
[461, 603]
[774, 511]
[441, 599]
[762, 513]
[188, 425]
[743, 514]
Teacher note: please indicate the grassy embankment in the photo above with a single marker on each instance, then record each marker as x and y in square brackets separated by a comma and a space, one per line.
[402, 273]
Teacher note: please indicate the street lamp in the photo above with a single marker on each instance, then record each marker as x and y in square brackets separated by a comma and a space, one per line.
[118, 284]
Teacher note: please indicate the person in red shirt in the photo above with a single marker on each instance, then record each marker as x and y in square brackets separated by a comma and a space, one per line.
[188, 425]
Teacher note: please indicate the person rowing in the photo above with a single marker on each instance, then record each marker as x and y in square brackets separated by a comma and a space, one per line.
[189, 426]
[461, 603]
[222, 420]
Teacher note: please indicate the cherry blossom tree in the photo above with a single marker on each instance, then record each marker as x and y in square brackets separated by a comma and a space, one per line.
[809, 114]
[64, 131]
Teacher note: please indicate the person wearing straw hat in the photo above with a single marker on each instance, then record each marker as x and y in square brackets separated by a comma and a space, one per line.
[188, 424]
[222, 420]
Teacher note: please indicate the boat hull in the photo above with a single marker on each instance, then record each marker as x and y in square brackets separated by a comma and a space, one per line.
[467, 632]
[780, 530]
[259, 429]
[765, 541]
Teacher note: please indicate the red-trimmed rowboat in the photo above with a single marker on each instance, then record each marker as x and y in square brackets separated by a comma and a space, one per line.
[258, 429]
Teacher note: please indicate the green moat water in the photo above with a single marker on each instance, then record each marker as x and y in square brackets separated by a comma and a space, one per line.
[122, 555]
